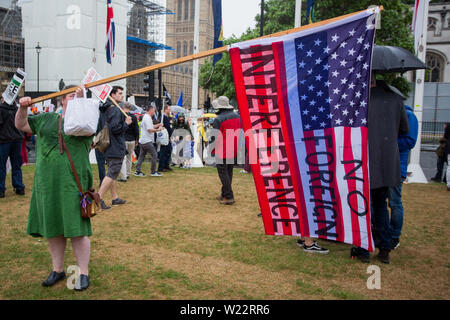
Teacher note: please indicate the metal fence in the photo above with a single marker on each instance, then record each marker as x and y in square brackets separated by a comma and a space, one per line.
[432, 131]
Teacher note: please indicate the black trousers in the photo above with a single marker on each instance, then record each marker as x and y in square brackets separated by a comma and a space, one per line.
[164, 156]
[226, 177]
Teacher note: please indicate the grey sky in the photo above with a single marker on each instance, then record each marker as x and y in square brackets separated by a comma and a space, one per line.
[238, 15]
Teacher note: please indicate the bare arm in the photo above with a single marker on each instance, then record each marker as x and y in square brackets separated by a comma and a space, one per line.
[21, 120]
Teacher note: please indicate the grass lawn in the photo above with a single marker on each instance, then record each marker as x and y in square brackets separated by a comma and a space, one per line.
[173, 240]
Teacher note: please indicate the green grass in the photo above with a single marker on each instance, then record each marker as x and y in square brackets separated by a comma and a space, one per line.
[172, 240]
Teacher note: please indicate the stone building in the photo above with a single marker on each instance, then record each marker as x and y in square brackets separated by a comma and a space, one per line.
[180, 36]
[438, 43]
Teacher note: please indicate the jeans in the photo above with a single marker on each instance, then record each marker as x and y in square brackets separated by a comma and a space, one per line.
[225, 172]
[101, 160]
[144, 149]
[13, 151]
[164, 159]
[397, 211]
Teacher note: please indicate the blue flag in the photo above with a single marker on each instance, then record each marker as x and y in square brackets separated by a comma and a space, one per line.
[180, 99]
[218, 28]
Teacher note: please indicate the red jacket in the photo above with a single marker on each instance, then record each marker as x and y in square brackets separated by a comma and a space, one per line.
[229, 125]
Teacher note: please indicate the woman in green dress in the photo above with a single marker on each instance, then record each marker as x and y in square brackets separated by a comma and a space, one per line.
[55, 200]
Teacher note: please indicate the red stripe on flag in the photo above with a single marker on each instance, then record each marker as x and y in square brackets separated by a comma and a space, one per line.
[236, 64]
[366, 187]
[335, 185]
[288, 135]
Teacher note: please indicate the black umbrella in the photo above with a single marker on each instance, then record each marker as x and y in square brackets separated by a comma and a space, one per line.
[394, 59]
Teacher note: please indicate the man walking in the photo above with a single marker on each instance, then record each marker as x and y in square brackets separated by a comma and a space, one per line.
[146, 143]
[165, 151]
[10, 146]
[117, 95]
[228, 125]
[131, 140]
[117, 124]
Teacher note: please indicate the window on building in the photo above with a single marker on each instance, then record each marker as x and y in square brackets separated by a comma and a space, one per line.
[186, 9]
[435, 63]
[432, 22]
[192, 10]
[191, 47]
[179, 10]
[184, 48]
[178, 49]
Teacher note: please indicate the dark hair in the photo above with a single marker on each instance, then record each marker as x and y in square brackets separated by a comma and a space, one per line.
[115, 88]
[69, 86]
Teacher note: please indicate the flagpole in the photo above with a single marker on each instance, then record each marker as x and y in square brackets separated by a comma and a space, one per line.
[417, 175]
[192, 57]
[196, 162]
[298, 13]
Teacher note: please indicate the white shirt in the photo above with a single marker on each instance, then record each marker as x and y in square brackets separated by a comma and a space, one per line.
[147, 123]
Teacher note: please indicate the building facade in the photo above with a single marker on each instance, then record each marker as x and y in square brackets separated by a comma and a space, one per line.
[180, 36]
[438, 43]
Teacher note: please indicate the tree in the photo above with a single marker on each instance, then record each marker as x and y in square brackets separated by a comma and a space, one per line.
[279, 15]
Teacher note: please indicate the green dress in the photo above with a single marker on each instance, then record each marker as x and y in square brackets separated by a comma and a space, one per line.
[55, 201]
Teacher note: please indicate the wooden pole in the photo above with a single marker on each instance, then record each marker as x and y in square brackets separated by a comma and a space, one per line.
[192, 57]
[117, 105]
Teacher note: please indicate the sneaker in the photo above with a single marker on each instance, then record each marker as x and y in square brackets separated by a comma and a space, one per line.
[315, 248]
[139, 174]
[395, 243]
[156, 174]
[20, 192]
[122, 180]
[118, 201]
[383, 256]
[300, 243]
[103, 205]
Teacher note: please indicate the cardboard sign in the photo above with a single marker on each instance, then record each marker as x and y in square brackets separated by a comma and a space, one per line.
[101, 91]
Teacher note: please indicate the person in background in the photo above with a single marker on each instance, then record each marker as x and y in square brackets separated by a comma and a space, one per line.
[405, 143]
[181, 130]
[117, 95]
[55, 200]
[441, 160]
[131, 140]
[10, 147]
[387, 120]
[146, 143]
[114, 154]
[447, 153]
[165, 151]
[225, 151]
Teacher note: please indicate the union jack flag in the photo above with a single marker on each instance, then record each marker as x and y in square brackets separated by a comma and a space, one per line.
[110, 32]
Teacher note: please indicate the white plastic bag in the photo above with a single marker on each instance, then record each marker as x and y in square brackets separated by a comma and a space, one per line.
[81, 117]
[162, 137]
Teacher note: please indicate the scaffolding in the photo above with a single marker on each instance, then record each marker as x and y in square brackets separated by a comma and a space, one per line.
[11, 41]
[145, 38]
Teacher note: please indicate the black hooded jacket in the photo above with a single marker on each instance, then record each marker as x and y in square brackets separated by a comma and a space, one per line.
[8, 131]
[115, 119]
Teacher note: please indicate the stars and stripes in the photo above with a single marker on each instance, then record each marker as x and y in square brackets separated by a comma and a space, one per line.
[303, 100]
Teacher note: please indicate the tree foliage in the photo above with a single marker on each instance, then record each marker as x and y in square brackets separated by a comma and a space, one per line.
[279, 15]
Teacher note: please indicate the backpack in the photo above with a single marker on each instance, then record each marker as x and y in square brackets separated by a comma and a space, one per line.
[101, 140]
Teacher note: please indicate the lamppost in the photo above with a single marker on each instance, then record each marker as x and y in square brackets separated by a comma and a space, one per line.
[38, 51]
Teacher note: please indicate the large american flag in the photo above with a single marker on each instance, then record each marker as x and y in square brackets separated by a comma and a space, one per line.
[309, 91]
[110, 32]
